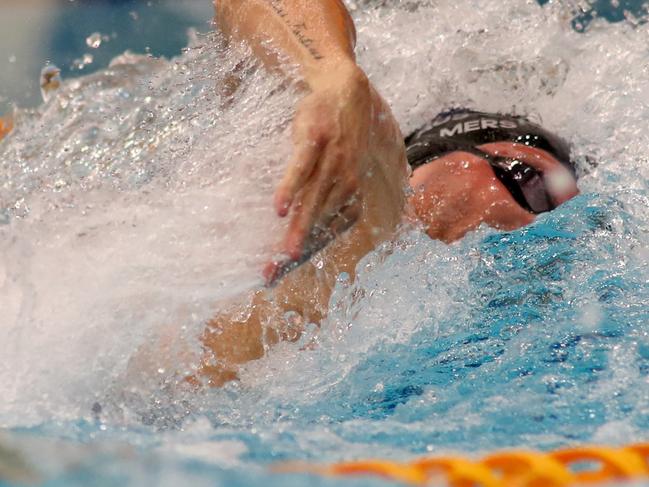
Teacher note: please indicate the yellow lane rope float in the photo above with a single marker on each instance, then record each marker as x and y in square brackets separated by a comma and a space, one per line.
[585, 465]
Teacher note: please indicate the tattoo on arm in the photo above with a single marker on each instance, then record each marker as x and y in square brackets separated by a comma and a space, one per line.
[299, 29]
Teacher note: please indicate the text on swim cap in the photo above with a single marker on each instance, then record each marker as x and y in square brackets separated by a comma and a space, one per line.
[476, 124]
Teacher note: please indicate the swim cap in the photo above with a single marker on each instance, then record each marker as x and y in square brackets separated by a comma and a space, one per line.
[464, 130]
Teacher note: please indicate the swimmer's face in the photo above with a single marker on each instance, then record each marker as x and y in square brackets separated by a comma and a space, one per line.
[457, 192]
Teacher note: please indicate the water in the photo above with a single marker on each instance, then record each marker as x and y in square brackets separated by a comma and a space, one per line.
[137, 200]
[56, 31]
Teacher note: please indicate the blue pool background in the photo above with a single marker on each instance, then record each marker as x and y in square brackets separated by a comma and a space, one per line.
[156, 27]
[523, 278]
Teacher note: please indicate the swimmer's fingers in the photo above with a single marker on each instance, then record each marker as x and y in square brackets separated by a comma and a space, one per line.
[318, 239]
[330, 188]
[300, 227]
[275, 270]
[304, 217]
[306, 155]
[341, 209]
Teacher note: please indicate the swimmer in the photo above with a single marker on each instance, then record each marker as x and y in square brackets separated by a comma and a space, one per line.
[352, 181]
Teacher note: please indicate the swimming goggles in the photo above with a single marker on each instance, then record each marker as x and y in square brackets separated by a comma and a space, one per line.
[524, 182]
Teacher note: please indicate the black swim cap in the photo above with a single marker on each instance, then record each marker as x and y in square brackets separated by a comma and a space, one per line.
[459, 130]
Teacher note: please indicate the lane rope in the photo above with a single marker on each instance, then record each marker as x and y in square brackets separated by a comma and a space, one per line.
[585, 465]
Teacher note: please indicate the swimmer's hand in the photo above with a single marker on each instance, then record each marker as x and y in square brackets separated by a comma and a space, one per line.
[332, 133]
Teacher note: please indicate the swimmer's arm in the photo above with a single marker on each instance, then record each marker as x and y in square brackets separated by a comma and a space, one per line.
[316, 36]
[336, 130]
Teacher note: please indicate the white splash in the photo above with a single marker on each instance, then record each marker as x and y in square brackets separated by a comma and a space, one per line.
[135, 200]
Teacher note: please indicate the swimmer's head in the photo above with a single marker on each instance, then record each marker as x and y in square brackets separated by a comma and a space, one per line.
[471, 165]
[528, 160]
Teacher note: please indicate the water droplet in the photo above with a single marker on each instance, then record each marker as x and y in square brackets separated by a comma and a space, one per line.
[81, 63]
[59, 184]
[318, 262]
[94, 40]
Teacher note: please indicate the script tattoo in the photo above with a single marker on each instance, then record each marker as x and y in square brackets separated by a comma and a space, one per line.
[299, 30]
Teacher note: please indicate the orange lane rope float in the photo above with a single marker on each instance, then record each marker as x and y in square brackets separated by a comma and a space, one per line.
[585, 465]
[5, 126]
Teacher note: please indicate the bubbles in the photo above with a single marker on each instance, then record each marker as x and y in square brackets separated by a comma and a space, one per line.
[542, 311]
[83, 61]
[94, 40]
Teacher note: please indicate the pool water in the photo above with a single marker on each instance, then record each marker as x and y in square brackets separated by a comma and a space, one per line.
[53, 31]
[136, 201]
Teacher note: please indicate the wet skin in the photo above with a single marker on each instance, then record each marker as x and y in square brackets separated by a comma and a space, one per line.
[449, 197]
[347, 175]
